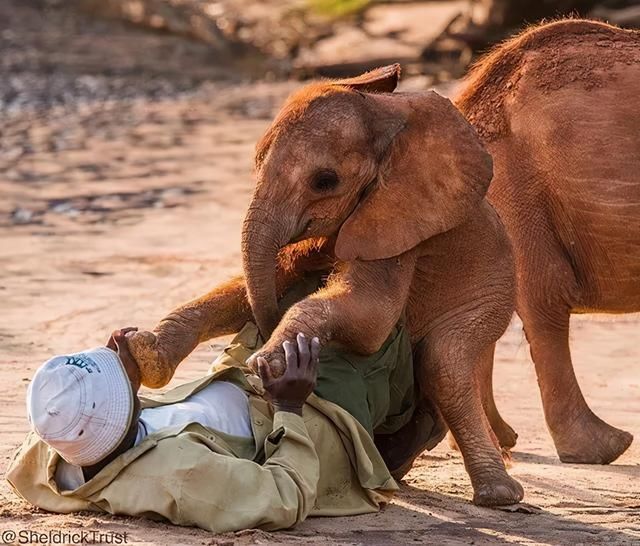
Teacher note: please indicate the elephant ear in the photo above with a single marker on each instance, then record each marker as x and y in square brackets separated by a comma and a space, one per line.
[435, 172]
[380, 80]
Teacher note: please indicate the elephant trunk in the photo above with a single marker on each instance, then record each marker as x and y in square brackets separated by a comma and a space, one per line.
[263, 235]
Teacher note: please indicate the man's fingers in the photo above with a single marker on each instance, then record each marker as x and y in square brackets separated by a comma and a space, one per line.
[111, 344]
[315, 349]
[303, 350]
[123, 347]
[290, 354]
[252, 363]
[315, 355]
[264, 371]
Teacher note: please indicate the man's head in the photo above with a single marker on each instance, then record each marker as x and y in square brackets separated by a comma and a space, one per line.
[83, 404]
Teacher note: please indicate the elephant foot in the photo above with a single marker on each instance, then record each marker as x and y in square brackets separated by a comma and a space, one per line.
[498, 492]
[507, 437]
[592, 441]
[155, 370]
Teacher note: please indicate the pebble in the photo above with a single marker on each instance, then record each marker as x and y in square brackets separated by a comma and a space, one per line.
[22, 216]
[62, 208]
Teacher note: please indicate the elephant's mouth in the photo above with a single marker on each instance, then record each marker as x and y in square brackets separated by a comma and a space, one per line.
[303, 233]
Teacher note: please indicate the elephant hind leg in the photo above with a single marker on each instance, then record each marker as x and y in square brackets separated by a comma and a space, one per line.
[579, 435]
[504, 433]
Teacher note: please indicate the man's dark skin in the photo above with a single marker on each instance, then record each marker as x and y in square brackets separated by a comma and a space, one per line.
[285, 393]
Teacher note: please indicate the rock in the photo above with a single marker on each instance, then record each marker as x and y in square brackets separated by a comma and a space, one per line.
[62, 208]
[624, 17]
[388, 32]
[22, 216]
[352, 45]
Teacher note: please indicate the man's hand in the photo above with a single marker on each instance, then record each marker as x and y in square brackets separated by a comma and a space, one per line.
[118, 343]
[289, 391]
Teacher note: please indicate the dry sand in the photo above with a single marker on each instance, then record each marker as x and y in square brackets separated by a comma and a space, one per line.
[140, 209]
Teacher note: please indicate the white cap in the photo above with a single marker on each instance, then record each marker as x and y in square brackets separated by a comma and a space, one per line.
[81, 404]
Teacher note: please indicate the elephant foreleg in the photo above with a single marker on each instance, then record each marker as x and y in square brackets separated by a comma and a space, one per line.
[451, 376]
[358, 308]
[221, 311]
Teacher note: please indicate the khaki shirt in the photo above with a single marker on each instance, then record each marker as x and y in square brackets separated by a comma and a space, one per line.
[321, 464]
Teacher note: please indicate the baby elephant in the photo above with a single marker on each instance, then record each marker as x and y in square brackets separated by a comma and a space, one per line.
[393, 186]
[387, 191]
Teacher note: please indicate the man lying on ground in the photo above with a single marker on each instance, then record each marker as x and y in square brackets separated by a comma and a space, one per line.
[229, 451]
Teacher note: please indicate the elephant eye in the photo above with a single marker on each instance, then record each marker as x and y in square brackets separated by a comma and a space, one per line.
[324, 181]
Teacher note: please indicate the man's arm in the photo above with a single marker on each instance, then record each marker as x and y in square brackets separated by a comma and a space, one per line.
[193, 486]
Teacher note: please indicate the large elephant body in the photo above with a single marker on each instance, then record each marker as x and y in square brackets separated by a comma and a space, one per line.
[558, 108]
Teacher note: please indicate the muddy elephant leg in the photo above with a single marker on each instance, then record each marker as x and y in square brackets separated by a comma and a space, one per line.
[506, 435]
[451, 376]
[579, 435]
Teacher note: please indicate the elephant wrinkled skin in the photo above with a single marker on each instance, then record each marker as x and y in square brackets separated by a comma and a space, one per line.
[557, 107]
[392, 186]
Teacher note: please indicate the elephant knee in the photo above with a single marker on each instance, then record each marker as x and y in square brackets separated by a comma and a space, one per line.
[444, 367]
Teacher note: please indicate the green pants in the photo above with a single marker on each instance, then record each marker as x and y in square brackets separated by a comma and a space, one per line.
[378, 390]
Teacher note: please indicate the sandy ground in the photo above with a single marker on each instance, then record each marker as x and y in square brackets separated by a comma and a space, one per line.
[125, 168]
[116, 215]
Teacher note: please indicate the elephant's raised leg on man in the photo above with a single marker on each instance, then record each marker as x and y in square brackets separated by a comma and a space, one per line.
[222, 311]
[358, 308]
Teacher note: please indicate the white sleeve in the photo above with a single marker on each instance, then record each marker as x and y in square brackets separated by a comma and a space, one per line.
[68, 476]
